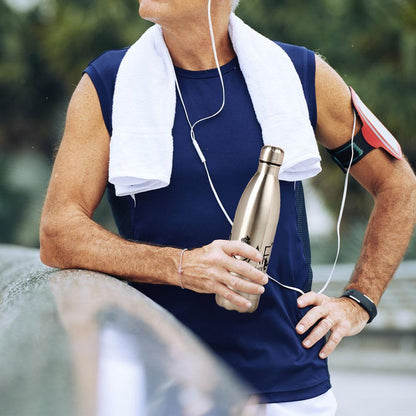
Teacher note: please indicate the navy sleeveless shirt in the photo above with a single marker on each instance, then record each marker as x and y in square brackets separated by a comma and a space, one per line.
[262, 347]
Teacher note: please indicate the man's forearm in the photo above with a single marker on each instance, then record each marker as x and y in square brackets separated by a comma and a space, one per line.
[385, 242]
[81, 243]
[78, 242]
[386, 239]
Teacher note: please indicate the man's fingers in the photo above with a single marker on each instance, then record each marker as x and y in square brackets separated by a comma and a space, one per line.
[213, 269]
[320, 330]
[311, 318]
[239, 301]
[238, 248]
[246, 270]
[333, 340]
[236, 282]
[339, 316]
[310, 298]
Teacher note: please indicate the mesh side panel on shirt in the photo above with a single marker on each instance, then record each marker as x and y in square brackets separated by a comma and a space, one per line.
[303, 229]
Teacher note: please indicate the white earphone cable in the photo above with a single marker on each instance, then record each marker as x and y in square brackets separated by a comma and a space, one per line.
[341, 212]
[192, 126]
[203, 160]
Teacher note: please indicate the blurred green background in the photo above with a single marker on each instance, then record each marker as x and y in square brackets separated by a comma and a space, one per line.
[45, 45]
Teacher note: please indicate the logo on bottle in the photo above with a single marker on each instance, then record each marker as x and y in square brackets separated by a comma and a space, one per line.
[266, 257]
[266, 254]
[246, 240]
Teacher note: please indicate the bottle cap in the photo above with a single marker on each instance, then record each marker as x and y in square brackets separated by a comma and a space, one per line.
[271, 154]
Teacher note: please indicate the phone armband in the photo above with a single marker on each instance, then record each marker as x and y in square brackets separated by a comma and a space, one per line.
[373, 130]
[373, 135]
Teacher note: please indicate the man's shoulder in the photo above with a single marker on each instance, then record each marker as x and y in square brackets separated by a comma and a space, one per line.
[108, 63]
[103, 73]
[295, 52]
[302, 58]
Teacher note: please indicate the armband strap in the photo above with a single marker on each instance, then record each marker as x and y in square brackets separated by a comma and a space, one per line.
[364, 301]
[342, 154]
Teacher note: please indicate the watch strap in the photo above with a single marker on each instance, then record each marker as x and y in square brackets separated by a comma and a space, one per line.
[363, 300]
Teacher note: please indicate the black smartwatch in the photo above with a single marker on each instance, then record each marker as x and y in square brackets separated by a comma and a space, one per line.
[364, 301]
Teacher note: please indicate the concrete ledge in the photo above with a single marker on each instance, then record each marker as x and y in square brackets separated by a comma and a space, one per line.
[76, 342]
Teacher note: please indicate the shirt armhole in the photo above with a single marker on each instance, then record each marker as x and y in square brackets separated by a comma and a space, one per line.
[102, 93]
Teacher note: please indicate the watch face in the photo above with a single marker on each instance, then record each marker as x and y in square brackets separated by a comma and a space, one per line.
[374, 132]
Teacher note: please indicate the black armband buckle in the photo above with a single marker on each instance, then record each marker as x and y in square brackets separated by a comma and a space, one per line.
[364, 301]
[342, 155]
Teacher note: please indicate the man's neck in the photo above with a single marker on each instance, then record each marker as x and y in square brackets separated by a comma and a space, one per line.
[191, 48]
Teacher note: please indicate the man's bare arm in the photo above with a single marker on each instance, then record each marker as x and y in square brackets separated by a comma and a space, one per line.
[71, 239]
[392, 183]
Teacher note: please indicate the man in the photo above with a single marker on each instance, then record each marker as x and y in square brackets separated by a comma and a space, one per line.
[280, 349]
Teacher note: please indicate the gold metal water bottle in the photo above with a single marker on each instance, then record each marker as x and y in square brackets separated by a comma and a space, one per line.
[257, 215]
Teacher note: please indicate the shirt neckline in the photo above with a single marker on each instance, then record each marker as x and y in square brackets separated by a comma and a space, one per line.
[207, 73]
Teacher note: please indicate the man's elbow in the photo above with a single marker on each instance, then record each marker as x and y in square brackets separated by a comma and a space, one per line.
[412, 190]
[409, 191]
[409, 179]
[50, 244]
[401, 185]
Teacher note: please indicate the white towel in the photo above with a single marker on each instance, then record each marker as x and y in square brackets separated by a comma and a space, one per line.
[141, 148]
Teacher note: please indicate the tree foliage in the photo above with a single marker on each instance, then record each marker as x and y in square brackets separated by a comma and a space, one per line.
[43, 50]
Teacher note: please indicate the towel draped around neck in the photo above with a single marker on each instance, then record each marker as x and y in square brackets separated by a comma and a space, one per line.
[141, 148]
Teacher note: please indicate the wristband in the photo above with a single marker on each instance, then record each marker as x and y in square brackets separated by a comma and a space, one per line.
[364, 301]
[180, 268]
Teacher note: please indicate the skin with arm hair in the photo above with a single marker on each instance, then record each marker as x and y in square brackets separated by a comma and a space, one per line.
[392, 184]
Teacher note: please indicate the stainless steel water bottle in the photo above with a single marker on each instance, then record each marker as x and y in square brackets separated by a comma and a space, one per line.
[257, 215]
